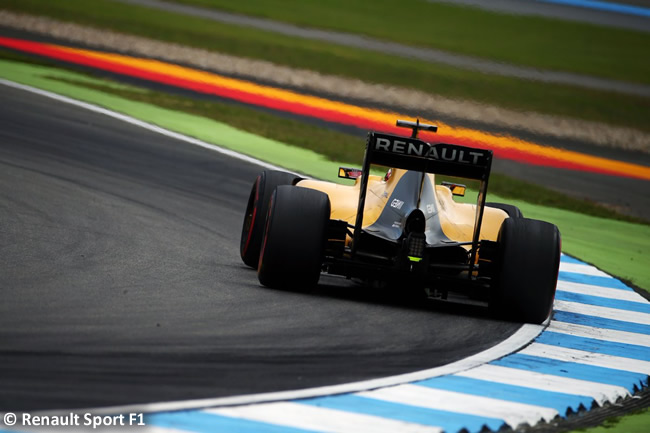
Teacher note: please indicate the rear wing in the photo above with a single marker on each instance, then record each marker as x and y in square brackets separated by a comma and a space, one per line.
[441, 158]
[410, 153]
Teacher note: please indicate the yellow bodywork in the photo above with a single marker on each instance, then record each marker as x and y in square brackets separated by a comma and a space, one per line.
[456, 219]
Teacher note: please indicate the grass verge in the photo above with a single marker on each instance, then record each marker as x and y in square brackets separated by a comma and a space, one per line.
[617, 247]
[335, 146]
[633, 423]
[341, 147]
[521, 95]
[539, 42]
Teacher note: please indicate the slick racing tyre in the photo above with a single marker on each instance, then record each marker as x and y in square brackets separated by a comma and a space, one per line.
[512, 211]
[528, 262]
[255, 217]
[294, 240]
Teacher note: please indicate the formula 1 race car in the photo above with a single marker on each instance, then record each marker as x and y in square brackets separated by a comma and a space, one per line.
[403, 230]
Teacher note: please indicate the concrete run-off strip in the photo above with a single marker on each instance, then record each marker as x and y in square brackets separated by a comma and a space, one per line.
[406, 51]
[564, 12]
[404, 99]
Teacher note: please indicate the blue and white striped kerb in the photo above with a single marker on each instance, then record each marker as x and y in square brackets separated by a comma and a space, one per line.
[596, 349]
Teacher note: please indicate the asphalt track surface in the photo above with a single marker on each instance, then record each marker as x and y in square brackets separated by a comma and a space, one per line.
[400, 50]
[121, 279]
[626, 195]
[559, 11]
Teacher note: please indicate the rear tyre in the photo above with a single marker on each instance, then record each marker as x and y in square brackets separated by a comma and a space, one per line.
[512, 211]
[529, 260]
[294, 240]
[255, 217]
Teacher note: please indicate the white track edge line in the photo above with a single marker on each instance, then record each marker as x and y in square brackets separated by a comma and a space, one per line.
[519, 339]
[145, 125]
[523, 337]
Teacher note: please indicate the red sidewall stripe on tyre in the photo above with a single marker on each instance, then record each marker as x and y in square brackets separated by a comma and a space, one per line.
[557, 364]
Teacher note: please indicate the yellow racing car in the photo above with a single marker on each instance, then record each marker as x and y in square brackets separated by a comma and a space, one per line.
[404, 230]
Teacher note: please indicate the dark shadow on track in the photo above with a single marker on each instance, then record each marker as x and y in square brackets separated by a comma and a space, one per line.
[122, 283]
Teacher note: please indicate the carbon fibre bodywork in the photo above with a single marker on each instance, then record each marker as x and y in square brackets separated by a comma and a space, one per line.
[404, 230]
[404, 227]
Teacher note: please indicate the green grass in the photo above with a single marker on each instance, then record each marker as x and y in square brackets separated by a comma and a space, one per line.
[526, 40]
[332, 59]
[638, 422]
[617, 247]
[349, 149]
[335, 146]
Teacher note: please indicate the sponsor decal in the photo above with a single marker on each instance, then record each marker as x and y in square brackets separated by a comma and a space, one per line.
[440, 151]
[397, 204]
[350, 173]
